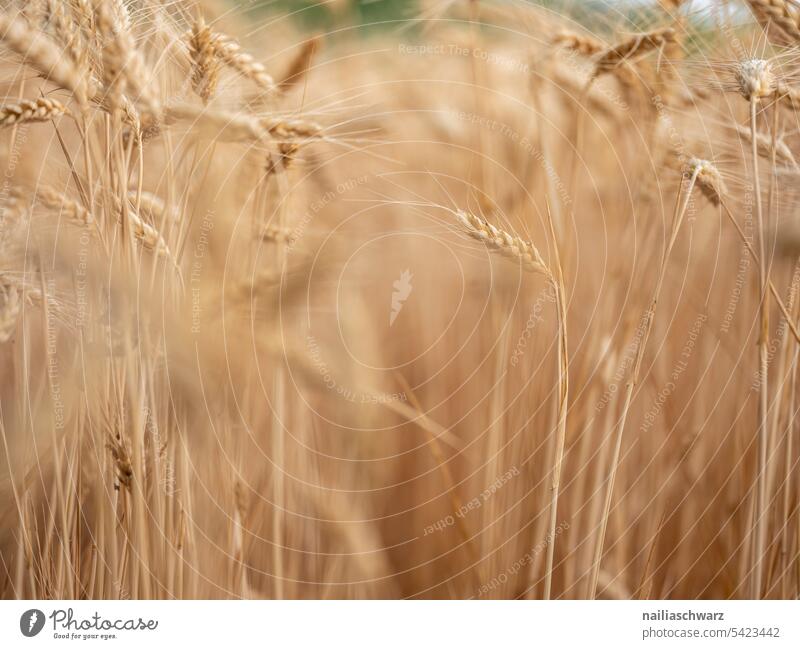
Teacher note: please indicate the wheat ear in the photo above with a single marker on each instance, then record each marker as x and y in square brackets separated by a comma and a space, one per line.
[31, 110]
[55, 200]
[778, 13]
[635, 46]
[506, 244]
[41, 53]
[580, 43]
[232, 54]
[205, 67]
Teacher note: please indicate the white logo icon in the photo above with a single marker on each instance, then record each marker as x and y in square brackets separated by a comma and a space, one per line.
[402, 289]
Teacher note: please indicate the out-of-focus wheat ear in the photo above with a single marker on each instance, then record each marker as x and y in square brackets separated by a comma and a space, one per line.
[205, 66]
[68, 34]
[217, 124]
[298, 67]
[787, 96]
[42, 54]
[633, 47]
[580, 43]
[282, 127]
[123, 65]
[671, 5]
[153, 207]
[277, 235]
[764, 142]
[56, 201]
[506, 244]
[231, 54]
[9, 311]
[31, 110]
[148, 236]
[284, 158]
[777, 14]
[118, 448]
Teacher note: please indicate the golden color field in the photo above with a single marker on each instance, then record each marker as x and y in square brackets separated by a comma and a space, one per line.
[487, 300]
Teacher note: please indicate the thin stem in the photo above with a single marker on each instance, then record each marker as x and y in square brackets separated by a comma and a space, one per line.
[563, 398]
[641, 343]
[759, 522]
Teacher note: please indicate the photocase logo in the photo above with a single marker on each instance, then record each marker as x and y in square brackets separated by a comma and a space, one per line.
[31, 622]
[402, 289]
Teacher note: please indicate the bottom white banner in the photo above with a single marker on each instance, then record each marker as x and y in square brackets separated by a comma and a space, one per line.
[401, 624]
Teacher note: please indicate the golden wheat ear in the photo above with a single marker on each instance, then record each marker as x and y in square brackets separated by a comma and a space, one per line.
[508, 245]
[31, 110]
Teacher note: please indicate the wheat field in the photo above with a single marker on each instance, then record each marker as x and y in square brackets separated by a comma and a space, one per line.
[470, 299]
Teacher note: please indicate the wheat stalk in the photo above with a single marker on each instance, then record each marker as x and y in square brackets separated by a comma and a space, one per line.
[709, 182]
[640, 345]
[756, 80]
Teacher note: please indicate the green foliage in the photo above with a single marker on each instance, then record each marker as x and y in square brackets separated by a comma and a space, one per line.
[321, 15]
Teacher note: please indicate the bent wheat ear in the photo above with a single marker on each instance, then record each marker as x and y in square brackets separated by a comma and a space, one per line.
[232, 54]
[579, 43]
[707, 179]
[777, 13]
[153, 207]
[635, 46]
[123, 64]
[9, 313]
[787, 96]
[506, 244]
[41, 53]
[227, 127]
[35, 110]
[54, 200]
[299, 65]
[783, 153]
[285, 128]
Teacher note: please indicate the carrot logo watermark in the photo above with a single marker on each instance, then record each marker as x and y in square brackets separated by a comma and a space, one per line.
[402, 289]
[31, 622]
